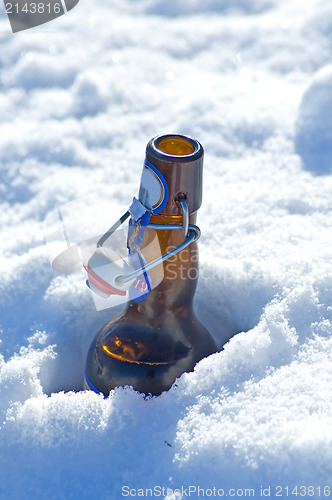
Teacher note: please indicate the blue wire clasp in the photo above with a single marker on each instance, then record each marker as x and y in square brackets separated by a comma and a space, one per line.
[191, 233]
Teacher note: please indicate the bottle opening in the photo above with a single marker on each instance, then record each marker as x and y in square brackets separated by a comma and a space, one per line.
[175, 145]
[174, 148]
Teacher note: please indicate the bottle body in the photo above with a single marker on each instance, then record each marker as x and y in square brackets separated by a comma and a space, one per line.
[156, 339]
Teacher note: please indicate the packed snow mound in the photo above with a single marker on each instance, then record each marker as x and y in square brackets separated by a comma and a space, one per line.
[314, 125]
[252, 82]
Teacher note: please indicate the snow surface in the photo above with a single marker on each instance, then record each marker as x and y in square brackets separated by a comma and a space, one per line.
[79, 99]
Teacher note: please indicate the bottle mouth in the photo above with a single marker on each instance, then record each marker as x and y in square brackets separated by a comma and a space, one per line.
[175, 147]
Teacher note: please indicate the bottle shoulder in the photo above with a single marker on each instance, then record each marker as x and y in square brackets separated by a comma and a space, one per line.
[167, 338]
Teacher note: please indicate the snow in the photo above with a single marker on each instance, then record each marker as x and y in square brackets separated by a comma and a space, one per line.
[79, 99]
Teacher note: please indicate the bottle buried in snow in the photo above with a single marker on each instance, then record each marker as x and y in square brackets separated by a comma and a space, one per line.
[158, 336]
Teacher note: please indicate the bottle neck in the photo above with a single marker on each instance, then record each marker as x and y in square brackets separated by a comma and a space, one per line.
[174, 281]
[172, 170]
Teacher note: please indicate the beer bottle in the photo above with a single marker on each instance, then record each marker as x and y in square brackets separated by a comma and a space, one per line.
[158, 336]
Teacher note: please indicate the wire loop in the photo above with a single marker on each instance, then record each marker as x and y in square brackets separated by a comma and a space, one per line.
[191, 233]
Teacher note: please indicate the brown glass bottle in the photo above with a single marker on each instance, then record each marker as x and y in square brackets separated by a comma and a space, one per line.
[155, 340]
